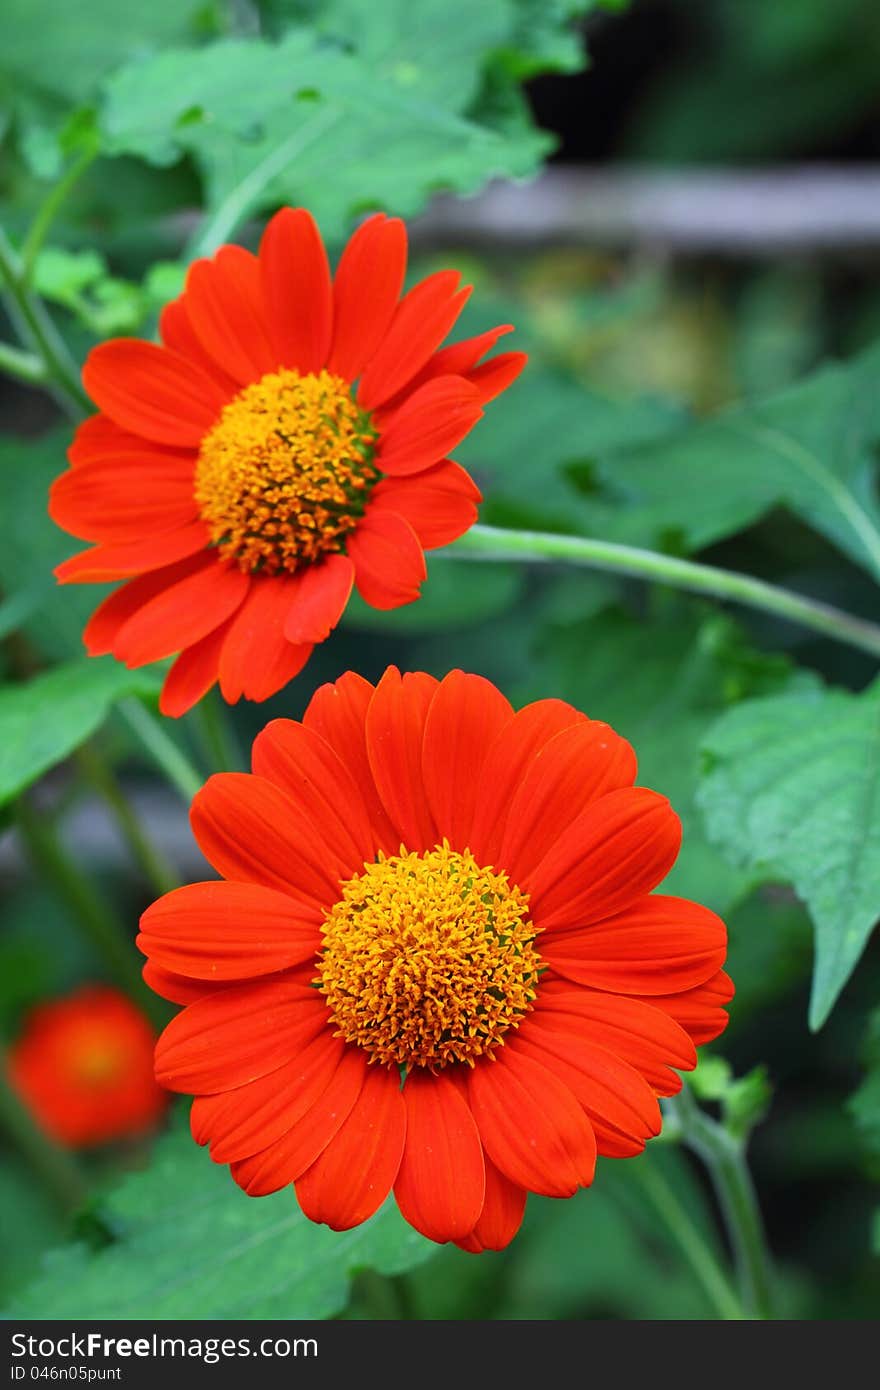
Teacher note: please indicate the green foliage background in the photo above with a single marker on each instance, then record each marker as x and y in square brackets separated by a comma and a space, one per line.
[691, 408]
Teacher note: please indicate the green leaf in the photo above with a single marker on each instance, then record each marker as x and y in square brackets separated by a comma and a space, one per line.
[864, 1105]
[190, 1244]
[810, 448]
[662, 686]
[45, 719]
[791, 789]
[51, 615]
[303, 108]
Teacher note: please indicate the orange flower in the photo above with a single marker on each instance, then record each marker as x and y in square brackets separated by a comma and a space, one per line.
[435, 965]
[84, 1066]
[287, 442]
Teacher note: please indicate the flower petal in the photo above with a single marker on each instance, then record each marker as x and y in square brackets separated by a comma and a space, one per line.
[612, 854]
[246, 1120]
[338, 712]
[458, 358]
[502, 1214]
[228, 931]
[224, 303]
[125, 499]
[428, 426]
[182, 613]
[236, 1035]
[250, 832]
[104, 563]
[570, 772]
[441, 1186]
[507, 759]
[650, 1040]
[700, 1011]
[153, 392]
[99, 437]
[366, 289]
[320, 787]
[395, 725]
[193, 674]
[659, 945]
[389, 564]
[439, 503]
[354, 1174]
[288, 1158]
[465, 715]
[617, 1098]
[531, 1125]
[178, 989]
[178, 334]
[117, 608]
[421, 321]
[257, 659]
[296, 285]
[494, 376]
[320, 593]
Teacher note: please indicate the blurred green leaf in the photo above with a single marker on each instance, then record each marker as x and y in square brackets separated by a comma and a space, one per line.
[189, 1244]
[31, 545]
[45, 719]
[31, 1224]
[305, 107]
[791, 789]
[809, 448]
[864, 1105]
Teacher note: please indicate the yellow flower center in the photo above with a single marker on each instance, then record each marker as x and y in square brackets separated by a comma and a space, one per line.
[428, 959]
[286, 471]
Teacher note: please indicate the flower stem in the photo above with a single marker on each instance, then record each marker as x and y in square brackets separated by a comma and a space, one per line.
[24, 366]
[48, 211]
[152, 862]
[164, 751]
[493, 543]
[97, 921]
[32, 319]
[689, 1240]
[58, 1170]
[725, 1159]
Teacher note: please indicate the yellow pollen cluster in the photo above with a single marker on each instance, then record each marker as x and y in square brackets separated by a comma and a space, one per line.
[428, 959]
[286, 471]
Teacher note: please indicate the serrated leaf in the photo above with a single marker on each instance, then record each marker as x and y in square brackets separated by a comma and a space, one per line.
[190, 1244]
[809, 448]
[43, 720]
[791, 788]
[303, 107]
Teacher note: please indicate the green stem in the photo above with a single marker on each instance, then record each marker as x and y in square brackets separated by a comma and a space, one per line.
[725, 1159]
[222, 222]
[492, 543]
[164, 751]
[34, 322]
[47, 213]
[26, 366]
[97, 921]
[152, 862]
[58, 1170]
[222, 748]
[689, 1241]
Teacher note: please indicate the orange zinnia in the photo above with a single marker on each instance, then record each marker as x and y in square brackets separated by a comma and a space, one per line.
[84, 1066]
[286, 442]
[435, 965]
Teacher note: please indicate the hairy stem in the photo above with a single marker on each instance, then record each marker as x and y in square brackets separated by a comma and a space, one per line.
[152, 862]
[151, 733]
[33, 321]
